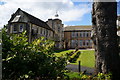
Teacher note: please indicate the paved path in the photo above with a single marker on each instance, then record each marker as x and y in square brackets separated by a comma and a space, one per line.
[74, 68]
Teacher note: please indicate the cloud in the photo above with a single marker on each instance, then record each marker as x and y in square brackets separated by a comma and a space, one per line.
[67, 10]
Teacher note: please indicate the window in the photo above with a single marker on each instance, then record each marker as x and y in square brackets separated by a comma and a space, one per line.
[44, 31]
[83, 34]
[87, 42]
[21, 28]
[81, 43]
[80, 34]
[90, 42]
[76, 43]
[72, 43]
[58, 27]
[40, 30]
[15, 28]
[76, 34]
[87, 34]
[47, 33]
[73, 34]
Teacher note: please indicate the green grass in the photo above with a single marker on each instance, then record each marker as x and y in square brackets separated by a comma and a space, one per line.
[86, 57]
[73, 75]
[77, 76]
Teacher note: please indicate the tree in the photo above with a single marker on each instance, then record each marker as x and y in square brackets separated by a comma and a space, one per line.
[23, 60]
[104, 16]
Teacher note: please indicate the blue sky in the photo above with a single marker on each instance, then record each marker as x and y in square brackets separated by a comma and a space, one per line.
[71, 13]
[86, 19]
[2, 3]
[118, 7]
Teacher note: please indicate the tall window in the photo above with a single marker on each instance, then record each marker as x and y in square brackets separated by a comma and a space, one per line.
[87, 34]
[73, 34]
[72, 43]
[44, 31]
[76, 43]
[90, 42]
[15, 28]
[40, 30]
[81, 43]
[21, 28]
[58, 27]
[76, 34]
[81, 34]
[87, 42]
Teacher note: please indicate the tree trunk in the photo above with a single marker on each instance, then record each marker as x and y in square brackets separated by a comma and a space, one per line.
[104, 16]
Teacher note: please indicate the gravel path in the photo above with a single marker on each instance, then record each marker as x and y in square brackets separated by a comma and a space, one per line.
[74, 68]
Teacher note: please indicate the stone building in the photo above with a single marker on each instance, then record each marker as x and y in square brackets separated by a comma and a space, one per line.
[68, 37]
[21, 21]
[77, 37]
[51, 29]
[57, 26]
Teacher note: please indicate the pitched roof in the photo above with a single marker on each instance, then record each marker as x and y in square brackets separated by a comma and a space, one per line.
[34, 20]
[75, 28]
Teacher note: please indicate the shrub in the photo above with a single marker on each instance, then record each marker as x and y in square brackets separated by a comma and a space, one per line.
[74, 57]
[23, 60]
[82, 76]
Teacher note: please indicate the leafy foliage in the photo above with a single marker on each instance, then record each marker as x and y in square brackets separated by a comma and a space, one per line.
[82, 76]
[24, 60]
[74, 57]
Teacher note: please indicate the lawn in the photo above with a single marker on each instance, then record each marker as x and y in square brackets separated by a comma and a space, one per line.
[73, 75]
[62, 52]
[86, 57]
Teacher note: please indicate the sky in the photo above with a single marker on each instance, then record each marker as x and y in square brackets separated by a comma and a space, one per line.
[69, 11]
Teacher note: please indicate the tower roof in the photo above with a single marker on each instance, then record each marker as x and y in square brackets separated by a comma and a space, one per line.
[56, 15]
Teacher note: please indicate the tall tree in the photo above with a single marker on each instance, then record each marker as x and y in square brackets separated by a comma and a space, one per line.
[104, 16]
